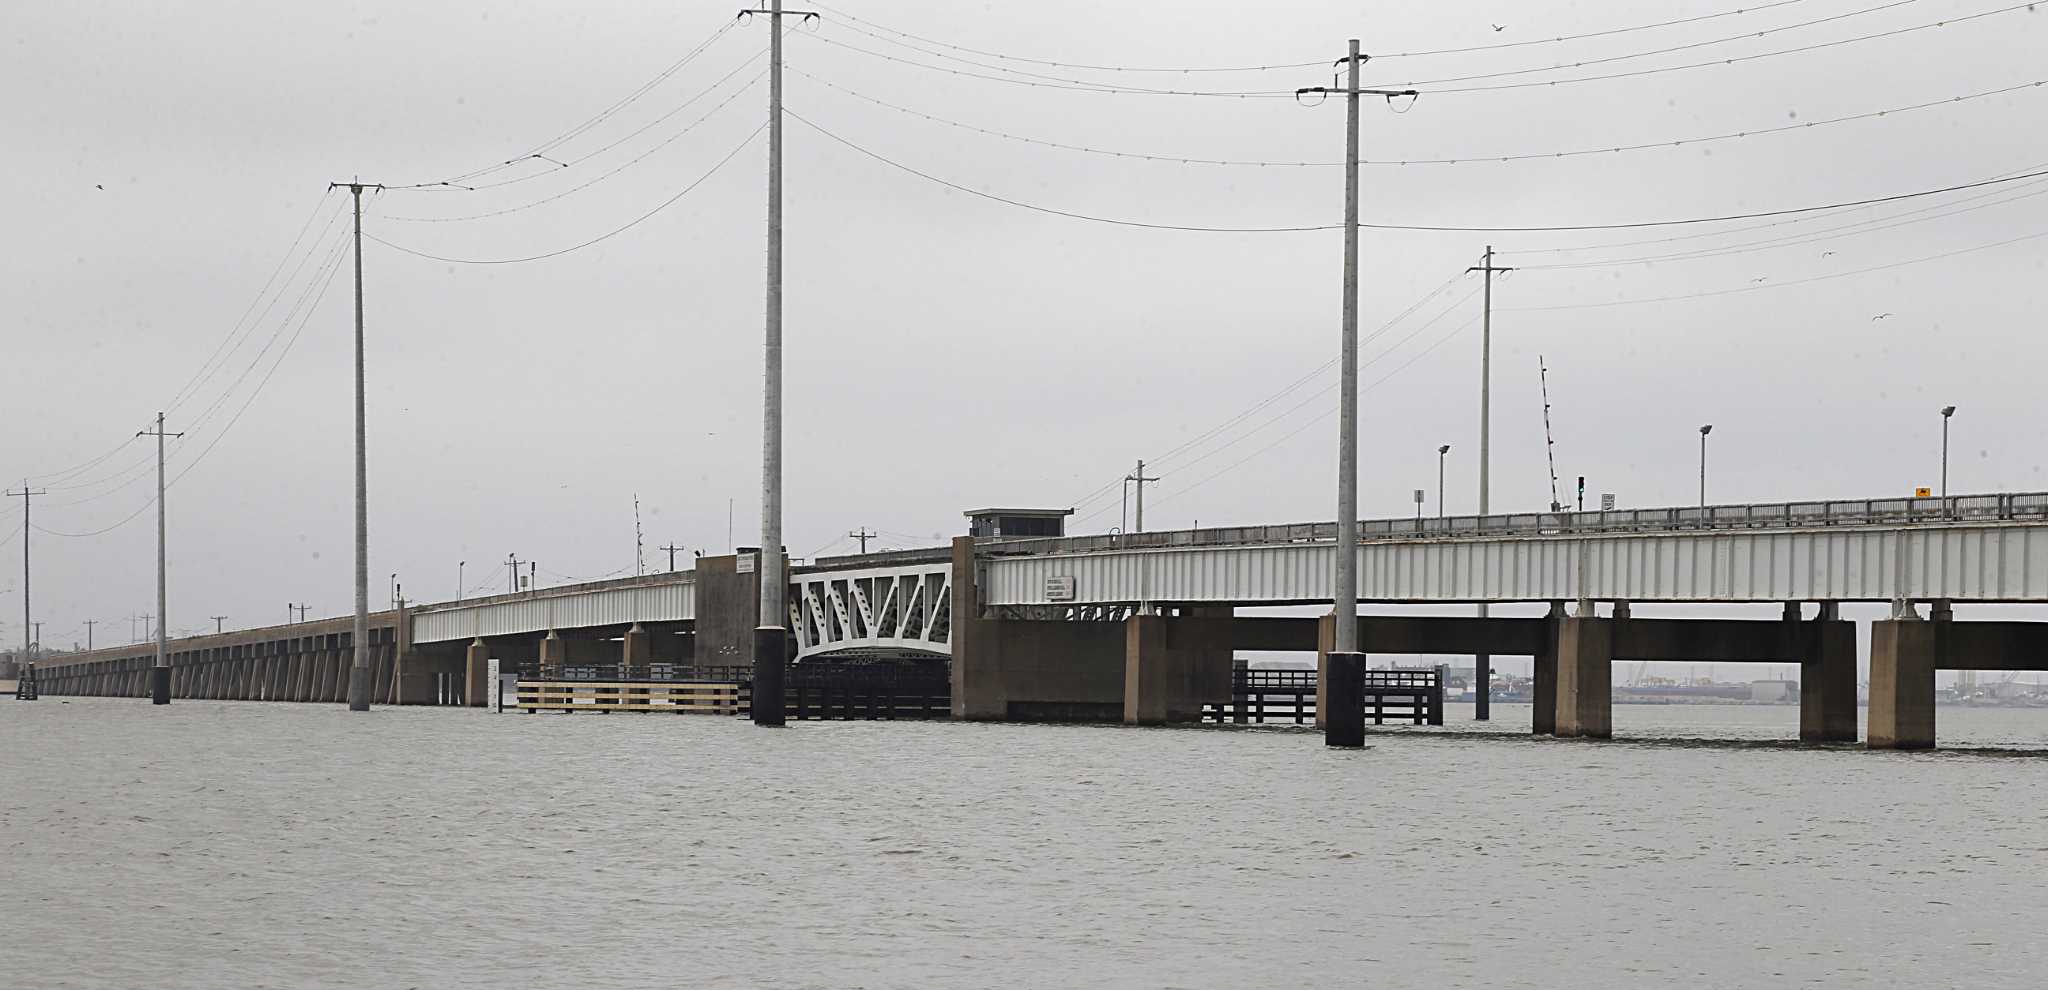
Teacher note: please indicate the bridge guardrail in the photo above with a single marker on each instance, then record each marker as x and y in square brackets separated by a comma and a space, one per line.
[1777, 515]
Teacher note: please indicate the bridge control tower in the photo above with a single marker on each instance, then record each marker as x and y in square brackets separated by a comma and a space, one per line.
[996, 524]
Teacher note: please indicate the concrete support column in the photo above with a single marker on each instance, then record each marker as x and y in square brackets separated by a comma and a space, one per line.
[554, 653]
[1903, 657]
[1173, 665]
[476, 669]
[1543, 674]
[1827, 677]
[1326, 640]
[636, 651]
[1585, 677]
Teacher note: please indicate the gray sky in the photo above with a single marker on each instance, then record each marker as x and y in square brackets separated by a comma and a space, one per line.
[946, 351]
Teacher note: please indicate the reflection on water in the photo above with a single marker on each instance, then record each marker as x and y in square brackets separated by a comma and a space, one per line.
[216, 844]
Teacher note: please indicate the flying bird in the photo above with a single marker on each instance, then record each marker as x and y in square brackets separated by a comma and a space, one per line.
[98, 186]
[1497, 28]
[1879, 316]
[1827, 254]
[1759, 278]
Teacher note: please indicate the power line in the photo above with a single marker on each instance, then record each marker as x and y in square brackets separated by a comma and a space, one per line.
[1325, 366]
[1811, 218]
[1896, 32]
[332, 266]
[1051, 82]
[199, 376]
[1755, 8]
[1447, 338]
[1320, 393]
[136, 471]
[1689, 46]
[749, 139]
[1044, 209]
[539, 152]
[1724, 218]
[1465, 160]
[1765, 286]
[1940, 212]
[221, 350]
[671, 139]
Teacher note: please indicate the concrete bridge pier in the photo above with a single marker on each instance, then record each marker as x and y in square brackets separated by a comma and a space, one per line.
[1906, 651]
[1585, 675]
[1580, 691]
[1051, 670]
[1827, 674]
[476, 669]
[1175, 664]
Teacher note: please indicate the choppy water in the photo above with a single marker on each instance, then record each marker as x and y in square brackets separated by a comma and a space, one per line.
[216, 844]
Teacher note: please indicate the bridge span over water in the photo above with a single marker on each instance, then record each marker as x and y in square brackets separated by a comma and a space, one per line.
[1141, 627]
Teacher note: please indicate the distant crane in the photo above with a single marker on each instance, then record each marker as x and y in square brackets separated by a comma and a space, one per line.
[1549, 444]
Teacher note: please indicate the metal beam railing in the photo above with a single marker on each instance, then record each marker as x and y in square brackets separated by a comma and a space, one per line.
[2030, 506]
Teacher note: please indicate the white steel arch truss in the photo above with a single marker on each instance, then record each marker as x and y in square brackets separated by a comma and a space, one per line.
[904, 608]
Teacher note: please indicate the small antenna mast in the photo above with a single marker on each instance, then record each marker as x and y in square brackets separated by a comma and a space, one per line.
[639, 541]
[1549, 443]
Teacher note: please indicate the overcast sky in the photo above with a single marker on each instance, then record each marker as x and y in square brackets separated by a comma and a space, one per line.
[946, 351]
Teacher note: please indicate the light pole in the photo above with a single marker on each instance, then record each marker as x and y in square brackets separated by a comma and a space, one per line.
[1947, 412]
[1704, 430]
[1441, 452]
[459, 565]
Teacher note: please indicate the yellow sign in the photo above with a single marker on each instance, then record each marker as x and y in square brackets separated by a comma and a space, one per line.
[1923, 493]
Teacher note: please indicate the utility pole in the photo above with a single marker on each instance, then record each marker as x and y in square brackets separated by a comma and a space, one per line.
[89, 623]
[160, 675]
[359, 671]
[302, 609]
[37, 641]
[511, 573]
[27, 496]
[1346, 591]
[771, 628]
[459, 565]
[217, 620]
[1139, 478]
[672, 551]
[862, 534]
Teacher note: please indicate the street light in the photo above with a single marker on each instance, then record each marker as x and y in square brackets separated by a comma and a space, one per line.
[459, 565]
[1440, 452]
[1704, 430]
[1947, 412]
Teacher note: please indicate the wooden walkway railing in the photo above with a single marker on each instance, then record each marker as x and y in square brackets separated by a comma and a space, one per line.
[1258, 696]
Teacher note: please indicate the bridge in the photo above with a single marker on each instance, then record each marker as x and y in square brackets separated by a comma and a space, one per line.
[1141, 628]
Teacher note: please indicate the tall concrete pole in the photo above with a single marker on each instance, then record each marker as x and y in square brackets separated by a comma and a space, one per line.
[359, 671]
[1346, 605]
[27, 495]
[1345, 592]
[160, 674]
[770, 647]
[1482, 666]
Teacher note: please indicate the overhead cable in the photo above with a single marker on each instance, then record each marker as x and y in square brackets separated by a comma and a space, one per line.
[1465, 160]
[1737, 60]
[1723, 218]
[671, 139]
[614, 232]
[1673, 49]
[1497, 46]
[539, 151]
[1767, 286]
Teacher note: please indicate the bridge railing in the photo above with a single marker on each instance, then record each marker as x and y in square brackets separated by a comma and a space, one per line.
[1773, 515]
